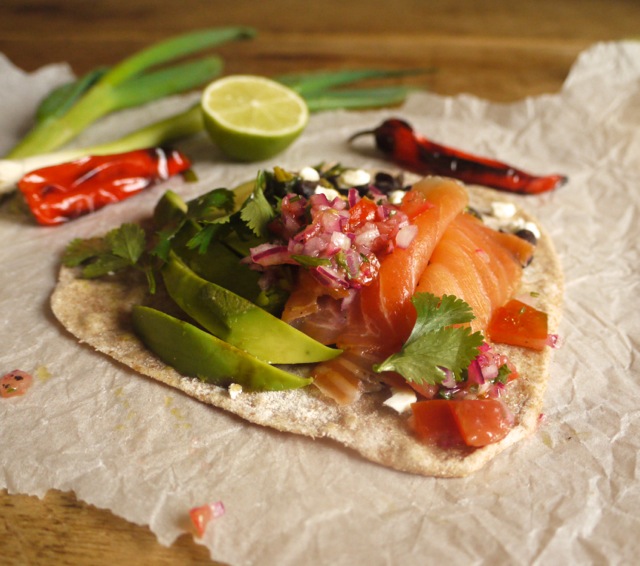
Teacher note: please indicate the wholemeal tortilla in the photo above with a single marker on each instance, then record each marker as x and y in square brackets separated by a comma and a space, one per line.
[98, 313]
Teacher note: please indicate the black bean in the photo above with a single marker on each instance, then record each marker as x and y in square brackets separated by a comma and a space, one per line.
[527, 235]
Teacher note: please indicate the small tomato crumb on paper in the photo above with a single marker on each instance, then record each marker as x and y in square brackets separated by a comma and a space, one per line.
[15, 383]
[201, 516]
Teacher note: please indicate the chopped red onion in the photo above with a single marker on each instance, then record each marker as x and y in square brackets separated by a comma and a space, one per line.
[368, 234]
[329, 277]
[554, 341]
[319, 201]
[270, 254]
[341, 241]
[353, 197]
[406, 235]
[475, 373]
[449, 380]
[490, 371]
[331, 221]
[321, 227]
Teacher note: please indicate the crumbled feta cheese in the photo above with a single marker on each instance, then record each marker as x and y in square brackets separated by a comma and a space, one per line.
[326, 191]
[354, 178]
[533, 228]
[395, 197]
[503, 210]
[234, 390]
[517, 224]
[401, 399]
[309, 174]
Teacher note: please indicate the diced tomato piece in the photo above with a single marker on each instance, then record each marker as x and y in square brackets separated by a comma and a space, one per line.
[15, 383]
[415, 203]
[481, 421]
[201, 516]
[365, 210]
[519, 324]
[450, 422]
[434, 422]
[427, 390]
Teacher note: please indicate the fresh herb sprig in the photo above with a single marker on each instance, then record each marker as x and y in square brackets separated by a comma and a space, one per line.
[215, 217]
[211, 209]
[211, 217]
[436, 343]
[120, 248]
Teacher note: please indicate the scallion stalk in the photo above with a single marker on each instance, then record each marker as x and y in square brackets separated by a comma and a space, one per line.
[178, 126]
[308, 84]
[316, 88]
[357, 99]
[124, 86]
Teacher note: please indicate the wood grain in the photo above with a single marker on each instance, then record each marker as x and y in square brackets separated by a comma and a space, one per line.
[497, 49]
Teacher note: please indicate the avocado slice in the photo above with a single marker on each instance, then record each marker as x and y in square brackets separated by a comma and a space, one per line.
[238, 321]
[170, 209]
[220, 264]
[194, 352]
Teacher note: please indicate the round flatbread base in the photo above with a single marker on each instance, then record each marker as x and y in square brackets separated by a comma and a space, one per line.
[97, 312]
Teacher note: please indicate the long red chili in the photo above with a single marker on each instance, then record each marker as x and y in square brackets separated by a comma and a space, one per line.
[398, 140]
[59, 193]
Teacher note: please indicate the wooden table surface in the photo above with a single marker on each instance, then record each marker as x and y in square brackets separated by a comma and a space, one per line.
[497, 49]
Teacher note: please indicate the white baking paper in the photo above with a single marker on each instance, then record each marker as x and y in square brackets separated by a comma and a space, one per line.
[568, 495]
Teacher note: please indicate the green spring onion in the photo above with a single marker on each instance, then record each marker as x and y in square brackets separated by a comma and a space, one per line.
[71, 108]
[125, 85]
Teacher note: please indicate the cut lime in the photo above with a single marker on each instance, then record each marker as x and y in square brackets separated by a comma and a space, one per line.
[252, 118]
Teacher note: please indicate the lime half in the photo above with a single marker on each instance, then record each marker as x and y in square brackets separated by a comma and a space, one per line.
[252, 118]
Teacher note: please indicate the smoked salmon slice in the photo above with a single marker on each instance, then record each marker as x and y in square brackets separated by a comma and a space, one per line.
[386, 303]
[453, 253]
[477, 264]
[313, 309]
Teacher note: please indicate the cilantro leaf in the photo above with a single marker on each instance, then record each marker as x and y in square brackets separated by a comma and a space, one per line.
[163, 245]
[212, 205]
[127, 242]
[104, 265]
[257, 212]
[434, 313]
[79, 251]
[504, 371]
[310, 261]
[210, 231]
[434, 343]
[121, 248]
[203, 238]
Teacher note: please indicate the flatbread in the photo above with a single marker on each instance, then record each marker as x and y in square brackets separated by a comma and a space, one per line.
[97, 312]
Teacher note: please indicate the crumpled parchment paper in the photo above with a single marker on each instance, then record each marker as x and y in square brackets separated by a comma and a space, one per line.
[570, 494]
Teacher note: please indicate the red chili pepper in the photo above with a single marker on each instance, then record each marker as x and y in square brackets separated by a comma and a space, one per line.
[59, 193]
[397, 139]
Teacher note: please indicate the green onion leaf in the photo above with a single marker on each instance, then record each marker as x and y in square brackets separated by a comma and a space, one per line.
[60, 99]
[174, 48]
[357, 98]
[165, 82]
[111, 92]
[317, 82]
